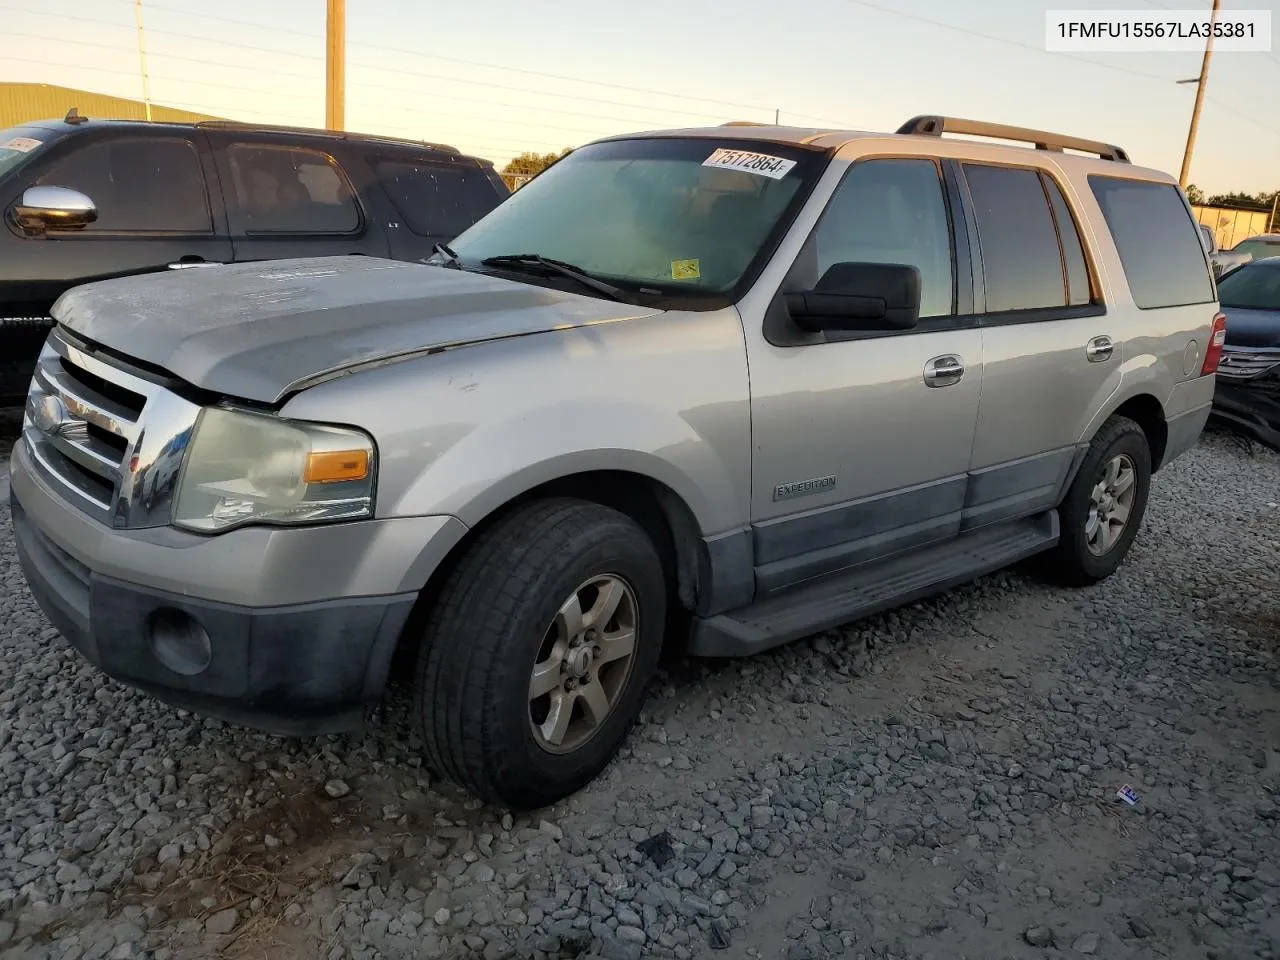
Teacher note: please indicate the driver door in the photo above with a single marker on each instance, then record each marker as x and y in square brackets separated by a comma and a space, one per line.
[862, 440]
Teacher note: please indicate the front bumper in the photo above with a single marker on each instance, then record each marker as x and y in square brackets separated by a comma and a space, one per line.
[1251, 406]
[205, 633]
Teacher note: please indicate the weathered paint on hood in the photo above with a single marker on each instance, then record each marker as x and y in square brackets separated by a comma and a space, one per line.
[259, 331]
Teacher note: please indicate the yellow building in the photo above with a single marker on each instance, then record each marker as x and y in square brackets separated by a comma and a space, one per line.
[23, 102]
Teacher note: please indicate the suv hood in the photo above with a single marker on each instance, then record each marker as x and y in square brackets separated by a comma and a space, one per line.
[260, 331]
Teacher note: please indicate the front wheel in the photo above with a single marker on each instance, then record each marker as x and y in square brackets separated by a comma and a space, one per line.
[538, 650]
[1104, 506]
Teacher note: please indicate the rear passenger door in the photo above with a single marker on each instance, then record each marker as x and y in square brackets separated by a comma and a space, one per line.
[286, 199]
[434, 199]
[1051, 351]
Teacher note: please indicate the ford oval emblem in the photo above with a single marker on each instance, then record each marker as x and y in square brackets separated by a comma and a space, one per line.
[50, 415]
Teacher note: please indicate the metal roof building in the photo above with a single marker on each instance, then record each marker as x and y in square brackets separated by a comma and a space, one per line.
[23, 102]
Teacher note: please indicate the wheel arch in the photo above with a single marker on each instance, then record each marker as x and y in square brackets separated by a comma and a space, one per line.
[658, 509]
[1149, 414]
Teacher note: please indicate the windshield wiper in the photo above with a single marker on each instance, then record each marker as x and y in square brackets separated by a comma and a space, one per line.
[557, 266]
[450, 258]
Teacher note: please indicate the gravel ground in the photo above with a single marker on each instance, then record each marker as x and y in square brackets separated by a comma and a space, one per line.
[937, 782]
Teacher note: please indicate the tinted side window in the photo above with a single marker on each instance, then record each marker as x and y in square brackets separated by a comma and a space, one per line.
[1157, 241]
[1078, 289]
[290, 190]
[892, 211]
[437, 199]
[1020, 254]
[139, 186]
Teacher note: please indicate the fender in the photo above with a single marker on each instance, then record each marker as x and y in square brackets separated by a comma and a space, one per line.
[464, 431]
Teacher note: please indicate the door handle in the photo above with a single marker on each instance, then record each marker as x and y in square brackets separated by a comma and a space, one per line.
[943, 371]
[1099, 349]
[188, 264]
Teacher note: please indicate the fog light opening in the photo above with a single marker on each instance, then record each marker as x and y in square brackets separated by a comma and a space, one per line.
[179, 642]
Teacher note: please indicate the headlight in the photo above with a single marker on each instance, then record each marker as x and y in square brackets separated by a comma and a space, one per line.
[250, 468]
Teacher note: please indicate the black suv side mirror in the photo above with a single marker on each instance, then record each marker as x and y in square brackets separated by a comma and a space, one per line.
[860, 296]
[58, 208]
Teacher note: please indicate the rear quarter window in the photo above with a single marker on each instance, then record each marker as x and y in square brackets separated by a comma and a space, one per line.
[437, 199]
[1158, 242]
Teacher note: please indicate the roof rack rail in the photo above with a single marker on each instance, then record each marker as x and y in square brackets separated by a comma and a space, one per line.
[321, 132]
[745, 123]
[935, 126]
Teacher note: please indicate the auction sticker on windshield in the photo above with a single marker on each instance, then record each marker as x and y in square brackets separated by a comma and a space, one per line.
[20, 144]
[759, 163]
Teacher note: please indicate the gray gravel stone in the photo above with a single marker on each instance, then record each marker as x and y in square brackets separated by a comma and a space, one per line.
[927, 777]
[222, 922]
[337, 788]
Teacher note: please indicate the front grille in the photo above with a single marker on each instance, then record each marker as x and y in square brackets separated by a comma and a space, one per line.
[95, 432]
[1247, 364]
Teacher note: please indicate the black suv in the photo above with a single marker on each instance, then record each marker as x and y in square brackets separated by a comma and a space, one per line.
[86, 200]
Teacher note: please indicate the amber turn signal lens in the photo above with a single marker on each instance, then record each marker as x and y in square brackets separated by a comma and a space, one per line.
[336, 465]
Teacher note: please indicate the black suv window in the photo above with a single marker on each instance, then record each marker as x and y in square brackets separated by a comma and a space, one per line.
[280, 189]
[1156, 237]
[1021, 256]
[139, 186]
[437, 199]
[892, 211]
[1079, 289]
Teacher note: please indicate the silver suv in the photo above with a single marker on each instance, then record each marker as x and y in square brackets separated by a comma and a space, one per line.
[721, 387]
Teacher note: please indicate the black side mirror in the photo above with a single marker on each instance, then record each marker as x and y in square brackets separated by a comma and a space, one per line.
[860, 296]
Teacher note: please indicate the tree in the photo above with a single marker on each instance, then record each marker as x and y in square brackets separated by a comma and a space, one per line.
[1243, 201]
[530, 163]
[1195, 194]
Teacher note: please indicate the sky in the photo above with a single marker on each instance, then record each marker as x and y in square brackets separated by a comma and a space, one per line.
[499, 77]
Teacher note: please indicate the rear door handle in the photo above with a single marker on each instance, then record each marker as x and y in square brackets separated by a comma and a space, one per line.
[943, 371]
[1099, 349]
[188, 264]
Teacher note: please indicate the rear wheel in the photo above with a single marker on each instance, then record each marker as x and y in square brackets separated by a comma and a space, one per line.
[537, 652]
[1104, 506]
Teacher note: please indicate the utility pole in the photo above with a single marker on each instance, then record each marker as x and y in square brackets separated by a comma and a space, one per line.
[1200, 85]
[335, 94]
[142, 59]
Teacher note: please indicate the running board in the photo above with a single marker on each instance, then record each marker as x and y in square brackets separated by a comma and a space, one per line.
[871, 588]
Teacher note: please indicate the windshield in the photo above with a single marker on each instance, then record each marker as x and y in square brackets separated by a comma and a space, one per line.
[17, 144]
[1261, 249]
[1252, 287]
[671, 216]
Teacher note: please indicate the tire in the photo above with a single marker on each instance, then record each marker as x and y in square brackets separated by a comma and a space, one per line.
[1076, 560]
[500, 612]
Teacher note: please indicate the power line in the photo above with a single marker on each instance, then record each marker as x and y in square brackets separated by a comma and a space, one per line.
[1240, 113]
[1005, 40]
[239, 45]
[557, 76]
[500, 86]
[469, 116]
[240, 23]
[394, 89]
[422, 74]
[399, 88]
[430, 56]
[485, 83]
[490, 143]
[152, 54]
